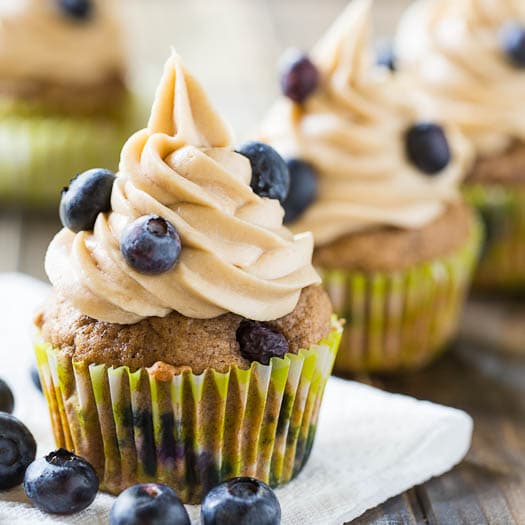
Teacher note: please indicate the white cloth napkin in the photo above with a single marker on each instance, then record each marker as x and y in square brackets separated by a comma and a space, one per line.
[370, 445]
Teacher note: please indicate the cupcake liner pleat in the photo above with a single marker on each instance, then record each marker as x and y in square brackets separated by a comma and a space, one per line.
[40, 153]
[402, 320]
[190, 431]
[502, 209]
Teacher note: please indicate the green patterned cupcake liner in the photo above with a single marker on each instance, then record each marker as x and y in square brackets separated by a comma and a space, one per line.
[502, 209]
[189, 431]
[40, 152]
[400, 321]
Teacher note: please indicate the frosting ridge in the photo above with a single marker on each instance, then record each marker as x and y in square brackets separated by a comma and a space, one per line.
[236, 257]
[452, 50]
[352, 130]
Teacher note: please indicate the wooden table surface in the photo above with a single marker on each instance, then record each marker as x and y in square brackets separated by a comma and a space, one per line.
[233, 45]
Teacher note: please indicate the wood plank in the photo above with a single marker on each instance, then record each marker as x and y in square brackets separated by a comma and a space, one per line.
[495, 322]
[486, 488]
[404, 509]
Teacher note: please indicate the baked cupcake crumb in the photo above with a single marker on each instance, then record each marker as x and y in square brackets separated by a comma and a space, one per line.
[175, 340]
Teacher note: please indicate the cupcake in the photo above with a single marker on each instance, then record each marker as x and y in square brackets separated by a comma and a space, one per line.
[187, 339]
[64, 104]
[467, 57]
[377, 184]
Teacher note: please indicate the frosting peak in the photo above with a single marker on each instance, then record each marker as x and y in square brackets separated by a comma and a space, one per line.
[182, 110]
[453, 51]
[352, 130]
[236, 256]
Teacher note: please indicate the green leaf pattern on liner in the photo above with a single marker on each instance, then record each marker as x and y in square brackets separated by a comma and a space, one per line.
[403, 320]
[194, 430]
[502, 209]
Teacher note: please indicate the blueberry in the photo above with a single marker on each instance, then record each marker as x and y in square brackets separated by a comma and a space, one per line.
[303, 189]
[427, 147]
[77, 9]
[241, 501]
[299, 76]
[270, 177]
[148, 504]
[35, 377]
[7, 401]
[17, 451]
[151, 245]
[385, 55]
[88, 194]
[259, 342]
[61, 483]
[513, 43]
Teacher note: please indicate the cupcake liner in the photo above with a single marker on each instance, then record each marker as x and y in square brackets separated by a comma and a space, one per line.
[400, 321]
[41, 152]
[502, 209]
[189, 431]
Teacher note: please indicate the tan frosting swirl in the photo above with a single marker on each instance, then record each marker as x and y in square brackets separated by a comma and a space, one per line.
[236, 257]
[38, 42]
[352, 130]
[452, 48]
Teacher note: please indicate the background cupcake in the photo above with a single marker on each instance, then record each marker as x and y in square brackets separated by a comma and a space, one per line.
[187, 339]
[468, 59]
[64, 104]
[378, 187]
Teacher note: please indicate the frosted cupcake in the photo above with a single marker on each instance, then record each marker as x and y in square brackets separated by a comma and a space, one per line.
[187, 339]
[64, 104]
[468, 60]
[378, 187]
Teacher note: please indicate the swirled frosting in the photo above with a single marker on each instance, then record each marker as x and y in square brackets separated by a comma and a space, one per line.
[236, 257]
[352, 130]
[39, 42]
[452, 49]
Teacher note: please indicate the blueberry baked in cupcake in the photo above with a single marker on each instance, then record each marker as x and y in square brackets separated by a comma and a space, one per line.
[467, 58]
[187, 339]
[64, 103]
[377, 184]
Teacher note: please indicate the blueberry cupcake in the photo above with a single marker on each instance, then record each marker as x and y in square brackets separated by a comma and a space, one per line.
[187, 339]
[377, 184]
[64, 104]
[467, 57]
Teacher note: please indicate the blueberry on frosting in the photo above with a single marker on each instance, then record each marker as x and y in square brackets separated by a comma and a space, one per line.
[77, 9]
[258, 342]
[299, 76]
[513, 43]
[151, 245]
[427, 147]
[303, 189]
[385, 55]
[87, 195]
[270, 177]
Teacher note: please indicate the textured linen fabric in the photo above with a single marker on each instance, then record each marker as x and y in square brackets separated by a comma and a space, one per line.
[370, 445]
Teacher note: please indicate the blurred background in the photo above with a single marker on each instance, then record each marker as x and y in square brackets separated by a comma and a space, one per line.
[233, 46]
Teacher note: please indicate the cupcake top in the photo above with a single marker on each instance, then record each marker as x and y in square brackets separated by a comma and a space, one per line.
[185, 232]
[60, 41]
[468, 57]
[378, 162]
